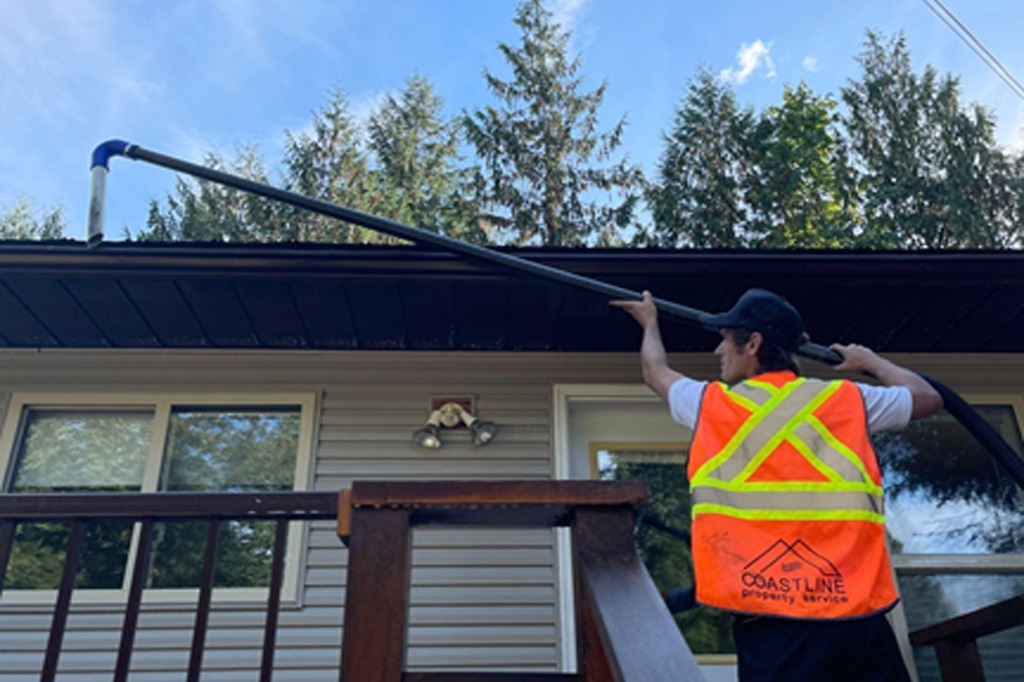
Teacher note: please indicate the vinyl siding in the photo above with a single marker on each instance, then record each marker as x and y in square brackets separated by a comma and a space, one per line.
[481, 599]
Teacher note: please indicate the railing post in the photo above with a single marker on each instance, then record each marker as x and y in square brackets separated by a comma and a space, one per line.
[7, 528]
[273, 600]
[134, 604]
[195, 659]
[76, 541]
[376, 596]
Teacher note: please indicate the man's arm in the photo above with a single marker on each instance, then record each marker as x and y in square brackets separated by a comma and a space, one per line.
[856, 358]
[653, 358]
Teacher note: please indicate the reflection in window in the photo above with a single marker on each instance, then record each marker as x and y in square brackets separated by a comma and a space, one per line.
[218, 450]
[667, 559]
[207, 449]
[945, 494]
[76, 451]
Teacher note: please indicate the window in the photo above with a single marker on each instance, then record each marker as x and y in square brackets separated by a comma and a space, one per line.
[144, 444]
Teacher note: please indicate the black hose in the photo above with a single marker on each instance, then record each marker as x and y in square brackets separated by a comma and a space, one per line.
[680, 598]
[954, 404]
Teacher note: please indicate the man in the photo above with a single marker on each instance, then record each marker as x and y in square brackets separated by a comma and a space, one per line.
[788, 529]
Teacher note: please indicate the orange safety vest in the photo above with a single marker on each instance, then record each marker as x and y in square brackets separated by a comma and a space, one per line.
[787, 501]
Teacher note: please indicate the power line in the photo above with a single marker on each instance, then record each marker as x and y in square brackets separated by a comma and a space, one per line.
[962, 32]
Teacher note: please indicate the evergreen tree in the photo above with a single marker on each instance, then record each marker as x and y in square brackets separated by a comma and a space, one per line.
[200, 210]
[933, 174]
[538, 144]
[416, 154]
[24, 221]
[330, 163]
[802, 192]
[697, 199]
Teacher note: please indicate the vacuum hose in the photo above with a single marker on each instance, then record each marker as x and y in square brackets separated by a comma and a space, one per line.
[954, 404]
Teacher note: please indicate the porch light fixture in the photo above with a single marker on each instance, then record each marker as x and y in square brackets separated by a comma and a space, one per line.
[451, 415]
[429, 436]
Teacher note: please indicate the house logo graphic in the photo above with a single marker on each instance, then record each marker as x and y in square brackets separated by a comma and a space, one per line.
[790, 571]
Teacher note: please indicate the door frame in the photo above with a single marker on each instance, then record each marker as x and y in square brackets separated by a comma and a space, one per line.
[563, 395]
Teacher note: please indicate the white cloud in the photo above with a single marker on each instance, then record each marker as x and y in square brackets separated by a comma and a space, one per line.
[567, 12]
[811, 63]
[751, 57]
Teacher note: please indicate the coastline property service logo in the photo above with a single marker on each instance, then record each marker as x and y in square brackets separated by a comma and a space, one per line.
[787, 572]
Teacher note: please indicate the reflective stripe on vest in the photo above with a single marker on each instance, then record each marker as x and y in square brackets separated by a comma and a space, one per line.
[785, 415]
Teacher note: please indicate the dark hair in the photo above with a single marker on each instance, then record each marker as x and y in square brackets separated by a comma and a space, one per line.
[771, 357]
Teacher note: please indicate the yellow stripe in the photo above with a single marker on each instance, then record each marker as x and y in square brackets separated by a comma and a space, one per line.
[768, 448]
[788, 515]
[840, 447]
[805, 450]
[741, 433]
[791, 486]
[764, 385]
[741, 400]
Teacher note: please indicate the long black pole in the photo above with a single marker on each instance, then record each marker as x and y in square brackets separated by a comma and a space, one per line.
[954, 404]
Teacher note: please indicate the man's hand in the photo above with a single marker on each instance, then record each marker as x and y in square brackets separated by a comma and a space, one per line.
[856, 358]
[643, 311]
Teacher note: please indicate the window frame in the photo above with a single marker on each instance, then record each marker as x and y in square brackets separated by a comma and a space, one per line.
[161, 405]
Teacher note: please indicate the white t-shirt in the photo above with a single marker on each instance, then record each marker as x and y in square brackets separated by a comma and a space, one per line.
[888, 407]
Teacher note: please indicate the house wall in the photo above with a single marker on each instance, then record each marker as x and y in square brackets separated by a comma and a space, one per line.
[480, 599]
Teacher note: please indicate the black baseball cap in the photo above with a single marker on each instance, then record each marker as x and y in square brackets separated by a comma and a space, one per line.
[759, 310]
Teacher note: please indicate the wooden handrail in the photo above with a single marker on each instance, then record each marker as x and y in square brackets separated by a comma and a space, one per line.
[531, 504]
[956, 640]
[149, 509]
[626, 633]
[298, 505]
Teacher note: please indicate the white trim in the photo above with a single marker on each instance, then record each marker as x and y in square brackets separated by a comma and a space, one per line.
[562, 395]
[566, 610]
[161, 405]
[910, 564]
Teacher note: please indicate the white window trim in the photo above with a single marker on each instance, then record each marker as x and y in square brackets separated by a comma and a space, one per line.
[161, 404]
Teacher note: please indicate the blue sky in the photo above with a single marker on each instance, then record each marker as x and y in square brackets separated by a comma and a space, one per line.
[184, 77]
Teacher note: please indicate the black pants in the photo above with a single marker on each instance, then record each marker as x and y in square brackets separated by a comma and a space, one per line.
[784, 650]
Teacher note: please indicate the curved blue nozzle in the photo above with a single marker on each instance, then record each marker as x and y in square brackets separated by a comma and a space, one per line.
[97, 192]
[101, 155]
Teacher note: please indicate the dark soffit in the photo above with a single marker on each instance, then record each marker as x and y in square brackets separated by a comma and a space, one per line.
[300, 296]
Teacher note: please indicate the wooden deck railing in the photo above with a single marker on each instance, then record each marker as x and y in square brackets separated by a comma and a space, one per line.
[149, 509]
[625, 632]
[956, 640]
